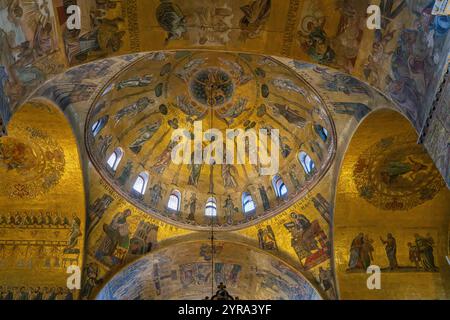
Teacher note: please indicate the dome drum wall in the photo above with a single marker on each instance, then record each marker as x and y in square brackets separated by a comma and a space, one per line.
[178, 91]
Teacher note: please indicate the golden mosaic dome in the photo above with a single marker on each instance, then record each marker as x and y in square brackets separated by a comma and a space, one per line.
[133, 122]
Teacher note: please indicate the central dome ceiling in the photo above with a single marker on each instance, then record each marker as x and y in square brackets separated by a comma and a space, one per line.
[131, 123]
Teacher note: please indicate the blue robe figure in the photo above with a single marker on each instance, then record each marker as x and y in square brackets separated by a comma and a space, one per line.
[5, 112]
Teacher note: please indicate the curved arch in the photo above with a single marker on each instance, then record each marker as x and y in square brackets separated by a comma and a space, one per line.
[384, 69]
[387, 186]
[42, 172]
[186, 255]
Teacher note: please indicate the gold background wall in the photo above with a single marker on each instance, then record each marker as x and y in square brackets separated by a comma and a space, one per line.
[327, 32]
[35, 253]
[284, 29]
[354, 214]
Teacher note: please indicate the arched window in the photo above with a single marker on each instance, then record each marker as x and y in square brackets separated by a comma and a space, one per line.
[211, 207]
[108, 89]
[321, 131]
[98, 125]
[114, 158]
[174, 201]
[248, 205]
[141, 183]
[306, 162]
[279, 186]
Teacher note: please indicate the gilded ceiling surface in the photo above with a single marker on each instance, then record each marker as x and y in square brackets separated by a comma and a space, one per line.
[140, 109]
[300, 234]
[30, 169]
[127, 89]
[139, 71]
[185, 271]
[111, 100]
[391, 211]
[396, 174]
[405, 59]
[42, 205]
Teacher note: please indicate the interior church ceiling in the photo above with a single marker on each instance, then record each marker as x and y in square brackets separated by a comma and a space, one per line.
[168, 91]
[88, 116]
[39, 233]
[378, 167]
[405, 59]
[267, 278]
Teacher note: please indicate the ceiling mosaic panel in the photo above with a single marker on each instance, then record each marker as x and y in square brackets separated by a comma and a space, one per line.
[405, 59]
[140, 109]
[184, 272]
[30, 166]
[137, 100]
[396, 174]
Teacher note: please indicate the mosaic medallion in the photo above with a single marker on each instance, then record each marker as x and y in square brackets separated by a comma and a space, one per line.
[396, 174]
[33, 168]
[212, 87]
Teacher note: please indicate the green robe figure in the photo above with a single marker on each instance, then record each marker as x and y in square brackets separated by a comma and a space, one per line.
[116, 235]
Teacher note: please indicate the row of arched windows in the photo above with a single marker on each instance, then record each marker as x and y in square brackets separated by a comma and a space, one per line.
[174, 202]
[140, 184]
[305, 160]
[248, 204]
